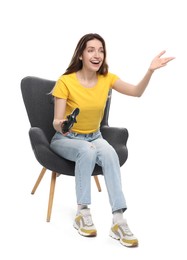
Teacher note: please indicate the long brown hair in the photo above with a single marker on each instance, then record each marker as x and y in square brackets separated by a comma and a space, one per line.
[76, 63]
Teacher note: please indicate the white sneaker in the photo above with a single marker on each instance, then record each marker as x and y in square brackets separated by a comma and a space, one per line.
[84, 224]
[122, 232]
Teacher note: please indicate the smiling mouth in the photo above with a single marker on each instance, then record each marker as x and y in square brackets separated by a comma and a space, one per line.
[95, 62]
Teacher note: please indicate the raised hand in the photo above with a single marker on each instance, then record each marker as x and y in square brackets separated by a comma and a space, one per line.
[159, 62]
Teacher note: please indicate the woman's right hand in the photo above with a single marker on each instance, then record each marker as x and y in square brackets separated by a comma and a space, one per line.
[57, 124]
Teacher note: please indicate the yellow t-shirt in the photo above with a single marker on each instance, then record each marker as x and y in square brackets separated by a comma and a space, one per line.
[90, 101]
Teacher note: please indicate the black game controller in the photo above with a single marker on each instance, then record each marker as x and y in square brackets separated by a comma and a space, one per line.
[71, 119]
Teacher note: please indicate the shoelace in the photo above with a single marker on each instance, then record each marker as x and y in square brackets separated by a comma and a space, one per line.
[126, 229]
[88, 220]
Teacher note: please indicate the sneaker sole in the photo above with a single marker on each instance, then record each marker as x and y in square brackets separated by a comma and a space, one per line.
[82, 233]
[113, 235]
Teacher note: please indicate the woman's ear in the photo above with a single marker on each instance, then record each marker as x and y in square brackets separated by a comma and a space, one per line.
[80, 58]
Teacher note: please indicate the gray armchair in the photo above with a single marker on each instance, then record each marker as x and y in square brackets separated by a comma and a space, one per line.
[40, 108]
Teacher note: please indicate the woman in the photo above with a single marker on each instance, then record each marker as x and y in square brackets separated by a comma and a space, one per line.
[85, 84]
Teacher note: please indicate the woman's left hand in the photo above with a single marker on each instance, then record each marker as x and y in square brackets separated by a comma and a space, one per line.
[159, 62]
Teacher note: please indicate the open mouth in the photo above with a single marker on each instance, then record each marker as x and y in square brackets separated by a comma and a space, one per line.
[95, 62]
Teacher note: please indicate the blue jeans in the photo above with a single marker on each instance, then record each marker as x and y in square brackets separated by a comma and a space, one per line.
[86, 150]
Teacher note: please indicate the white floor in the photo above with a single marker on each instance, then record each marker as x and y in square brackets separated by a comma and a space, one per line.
[38, 38]
[156, 215]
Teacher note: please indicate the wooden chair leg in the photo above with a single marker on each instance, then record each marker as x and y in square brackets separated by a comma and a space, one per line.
[38, 180]
[51, 195]
[97, 183]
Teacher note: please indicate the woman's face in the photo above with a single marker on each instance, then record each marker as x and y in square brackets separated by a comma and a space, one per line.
[93, 55]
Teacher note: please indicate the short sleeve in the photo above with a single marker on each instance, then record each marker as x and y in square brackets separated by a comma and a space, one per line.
[60, 90]
[113, 78]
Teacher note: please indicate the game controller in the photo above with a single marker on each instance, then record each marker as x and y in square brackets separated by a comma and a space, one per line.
[71, 119]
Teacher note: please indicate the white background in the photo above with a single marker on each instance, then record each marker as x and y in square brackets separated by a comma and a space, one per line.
[38, 38]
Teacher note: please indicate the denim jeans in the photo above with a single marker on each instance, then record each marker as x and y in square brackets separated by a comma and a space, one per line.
[86, 150]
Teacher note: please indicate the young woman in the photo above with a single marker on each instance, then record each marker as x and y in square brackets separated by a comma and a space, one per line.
[85, 84]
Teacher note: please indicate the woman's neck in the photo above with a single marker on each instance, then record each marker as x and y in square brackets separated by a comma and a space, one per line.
[86, 75]
[87, 79]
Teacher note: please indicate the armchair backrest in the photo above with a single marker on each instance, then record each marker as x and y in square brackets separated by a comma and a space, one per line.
[40, 106]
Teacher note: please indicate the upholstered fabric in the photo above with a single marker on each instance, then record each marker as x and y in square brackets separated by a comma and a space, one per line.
[40, 108]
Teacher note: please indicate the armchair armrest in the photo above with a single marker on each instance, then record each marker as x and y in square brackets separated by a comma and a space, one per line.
[43, 153]
[38, 137]
[117, 137]
[115, 134]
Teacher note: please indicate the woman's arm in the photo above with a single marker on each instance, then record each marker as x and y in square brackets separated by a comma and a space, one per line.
[137, 90]
[59, 113]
